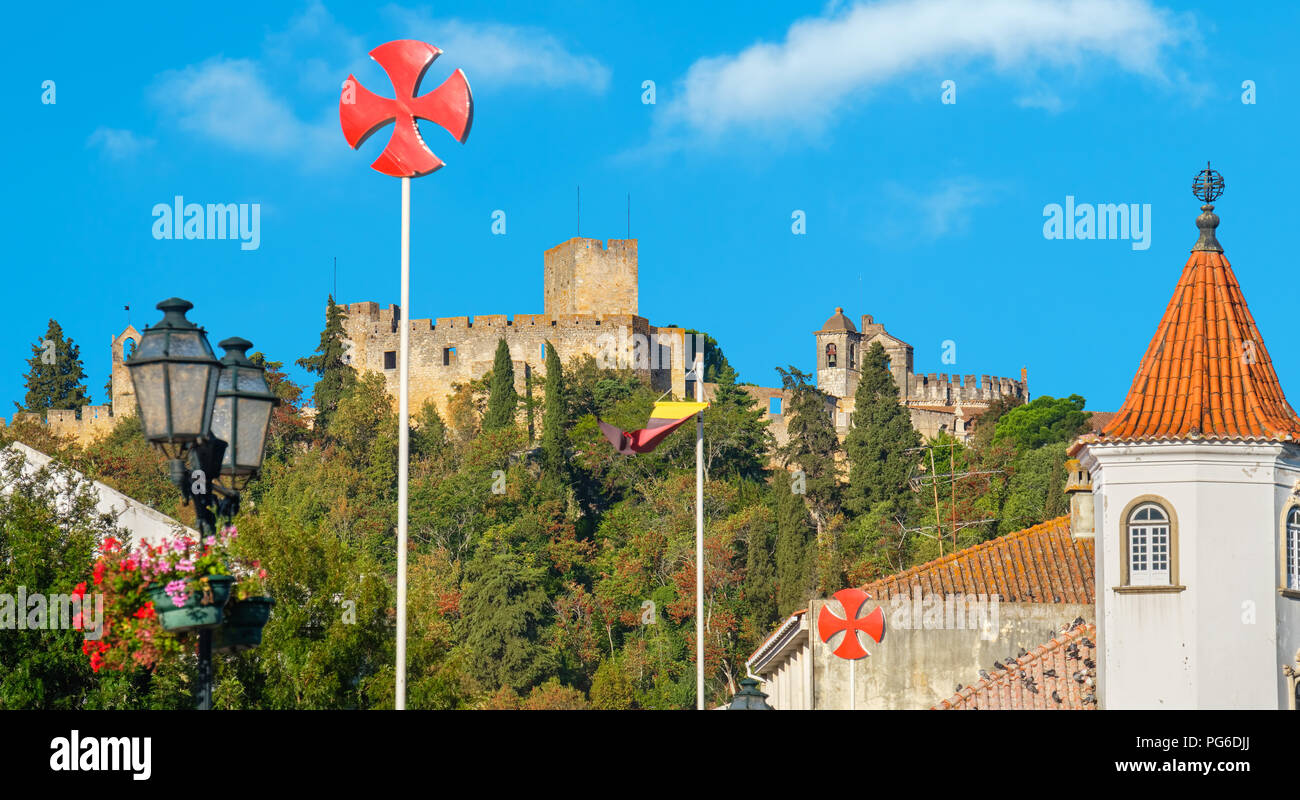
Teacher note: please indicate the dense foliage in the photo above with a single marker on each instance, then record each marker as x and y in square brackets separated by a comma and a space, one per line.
[548, 575]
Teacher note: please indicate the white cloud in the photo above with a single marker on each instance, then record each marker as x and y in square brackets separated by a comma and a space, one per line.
[117, 143]
[826, 62]
[505, 55]
[945, 209]
[228, 101]
[233, 102]
[1047, 101]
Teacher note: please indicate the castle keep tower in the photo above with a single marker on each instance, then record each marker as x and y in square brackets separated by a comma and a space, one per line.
[582, 276]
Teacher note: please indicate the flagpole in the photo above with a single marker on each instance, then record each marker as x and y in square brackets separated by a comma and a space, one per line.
[699, 534]
[403, 443]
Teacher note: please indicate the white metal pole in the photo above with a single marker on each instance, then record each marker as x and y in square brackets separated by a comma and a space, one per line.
[403, 442]
[699, 534]
[853, 679]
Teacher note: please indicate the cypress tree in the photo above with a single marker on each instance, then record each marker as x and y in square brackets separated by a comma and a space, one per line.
[555, 418]
[54, 374]
[330, 363]
[503, 400]
[794, 550]
[812, 445]
[760, 573]
[882, 432]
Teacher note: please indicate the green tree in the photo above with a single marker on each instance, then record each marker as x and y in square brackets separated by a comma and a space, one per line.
[812, 445]
[1043, 421]
[504, 606]
[55, 375]
[503, 400]
[715, 361]
[878, 442]
[330, 364]
[795, 550]
[555, 418]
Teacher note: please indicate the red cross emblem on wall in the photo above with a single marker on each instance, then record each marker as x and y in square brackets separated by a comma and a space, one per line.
[828, 624]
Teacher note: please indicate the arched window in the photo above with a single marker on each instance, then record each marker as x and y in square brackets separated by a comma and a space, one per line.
[1293, 549]
[1149, 546]
[853, 356]
[830, 354]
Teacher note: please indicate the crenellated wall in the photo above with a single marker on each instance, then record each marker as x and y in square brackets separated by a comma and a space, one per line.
[590, 297]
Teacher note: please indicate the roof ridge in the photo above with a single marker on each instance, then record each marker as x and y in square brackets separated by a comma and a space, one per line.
[987, 544]
[1011, 670]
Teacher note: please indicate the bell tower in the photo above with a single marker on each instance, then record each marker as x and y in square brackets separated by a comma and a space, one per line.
[839, 356]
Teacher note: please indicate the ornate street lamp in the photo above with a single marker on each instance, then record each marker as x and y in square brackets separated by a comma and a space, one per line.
[175, 375]
[749, 698]
[242, 413]
[209, 417]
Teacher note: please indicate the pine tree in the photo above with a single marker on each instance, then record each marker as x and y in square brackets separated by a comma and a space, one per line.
[877, 444]
[794, 550]
[812, 445]
[55, 374]
[330, 363]
[555, 418]
[503, 400]
[736, 439]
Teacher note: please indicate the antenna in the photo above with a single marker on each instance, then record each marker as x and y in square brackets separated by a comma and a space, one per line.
[917, 482]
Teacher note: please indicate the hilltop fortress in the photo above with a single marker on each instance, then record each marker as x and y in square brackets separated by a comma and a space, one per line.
[590, 307]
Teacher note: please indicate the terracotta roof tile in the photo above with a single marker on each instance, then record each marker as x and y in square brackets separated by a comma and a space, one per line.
[1206, 372]
[1042, 564]
[1064, 657]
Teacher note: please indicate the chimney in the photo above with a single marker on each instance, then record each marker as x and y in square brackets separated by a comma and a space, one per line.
[1079, 487]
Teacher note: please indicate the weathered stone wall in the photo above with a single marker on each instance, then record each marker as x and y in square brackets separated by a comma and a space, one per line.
[95, 421]
[582, 276]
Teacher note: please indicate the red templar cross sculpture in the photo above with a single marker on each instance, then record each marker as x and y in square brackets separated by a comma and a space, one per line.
[363, 112]
[872, 624]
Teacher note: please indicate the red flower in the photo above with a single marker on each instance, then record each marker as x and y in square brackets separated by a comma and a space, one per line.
[80, 591]
[145, 612]
[110, 544]
[96, 661]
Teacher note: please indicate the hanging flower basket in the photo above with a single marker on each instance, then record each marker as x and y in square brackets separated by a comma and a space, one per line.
[201, 603]
[243, 626]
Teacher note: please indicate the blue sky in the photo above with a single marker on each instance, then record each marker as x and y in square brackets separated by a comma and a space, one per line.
[927, 215]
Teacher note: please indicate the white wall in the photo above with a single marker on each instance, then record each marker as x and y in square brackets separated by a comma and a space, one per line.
[143, 522]
[1197, 648]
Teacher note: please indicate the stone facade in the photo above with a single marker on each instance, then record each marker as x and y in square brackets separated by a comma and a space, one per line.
[92, 422]
[938, 403]
[590, 302]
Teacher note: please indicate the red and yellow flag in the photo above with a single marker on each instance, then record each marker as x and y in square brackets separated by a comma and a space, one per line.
[665, 418]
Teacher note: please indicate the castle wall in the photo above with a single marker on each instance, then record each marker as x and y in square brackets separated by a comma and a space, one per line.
[582, 276]
[455, 350]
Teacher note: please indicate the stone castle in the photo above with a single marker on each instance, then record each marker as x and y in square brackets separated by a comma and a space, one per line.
[590, 308]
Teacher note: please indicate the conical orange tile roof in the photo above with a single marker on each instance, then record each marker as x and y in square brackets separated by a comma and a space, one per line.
[1206, 372]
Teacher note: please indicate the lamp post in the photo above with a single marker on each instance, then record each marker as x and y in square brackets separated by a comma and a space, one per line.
[209, 417]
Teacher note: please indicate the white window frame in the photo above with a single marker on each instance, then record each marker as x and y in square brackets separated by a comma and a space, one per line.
[1150, 543]
[1291, 548]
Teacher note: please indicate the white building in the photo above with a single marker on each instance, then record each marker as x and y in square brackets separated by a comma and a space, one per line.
[1196, 495]
[142, 522]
